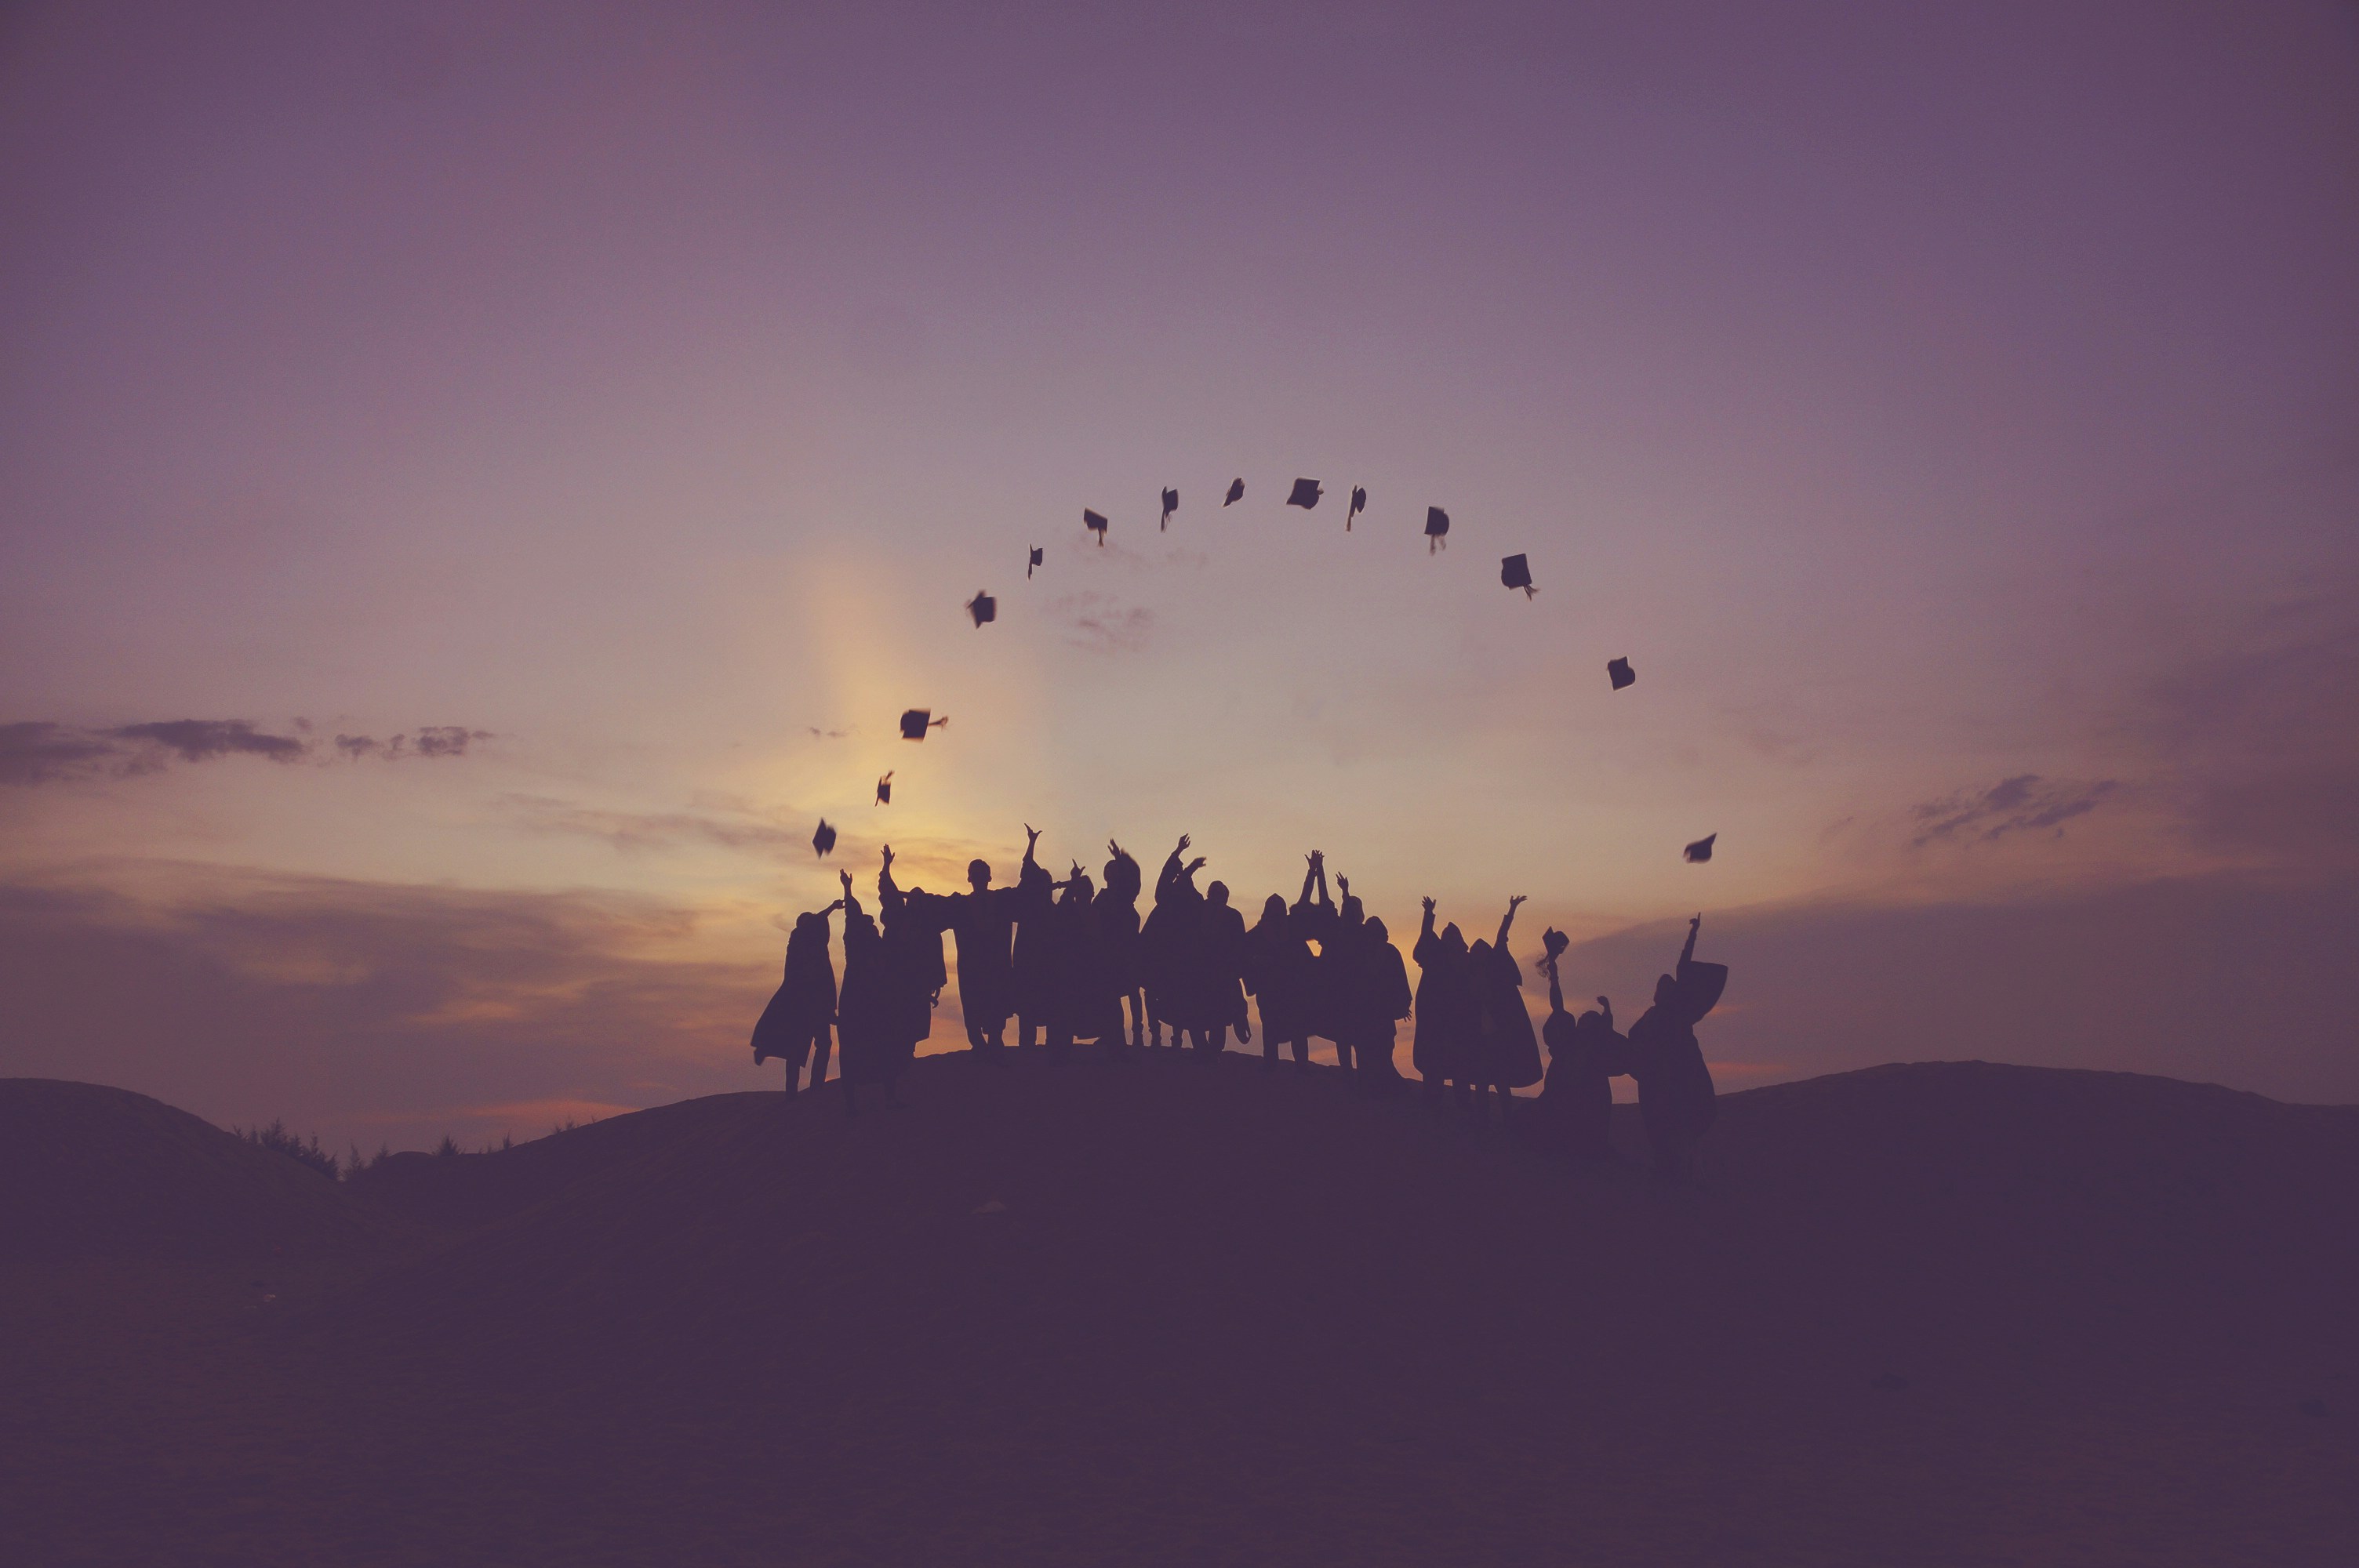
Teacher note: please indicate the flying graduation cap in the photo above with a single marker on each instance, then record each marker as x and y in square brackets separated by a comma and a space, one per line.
[1437, 529]
[1097, 523]
[917, 720]
[1359, 505]
[1032, 563]
[1700, 850]
[824, 839]
[1236, 493]
[884, 790]
[1516, 572]
[1305, 494]
[1170, 504]
[1619, 672]
[984, 608]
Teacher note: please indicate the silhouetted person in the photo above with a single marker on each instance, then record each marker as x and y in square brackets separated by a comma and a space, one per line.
[1574, 1117]
[1035, 909]
[1080, 999]
[1379, 1002]
[1277, 972]
[865, 1025]
[913, 923]
[983, 921]
[1115, 912]
[799, 1024]
[1168, 942]
[1220, 972]
[1676, 1098]
[1507, 1056]
[1314, 920]
[1339, 973]
[1444, 1046]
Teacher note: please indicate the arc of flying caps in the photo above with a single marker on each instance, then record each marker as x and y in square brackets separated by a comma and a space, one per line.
[916, 721]
[1700, 851]
[884, 789]
[1516, 572]
[823, 840]
[1437, 529]
[1306, 495]
[1032, 563]
[984, 608]
[1619, 672]
[1097, 523]
[1170, 504]
[1236, 493]
[1359, 505]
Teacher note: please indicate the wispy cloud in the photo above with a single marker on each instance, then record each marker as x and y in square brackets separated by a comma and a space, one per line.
[2022, 804]
[36, 751]
[1102, 624]
[641, 830]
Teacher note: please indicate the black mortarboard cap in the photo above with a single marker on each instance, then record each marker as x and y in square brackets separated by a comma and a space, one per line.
[1170, 504]
[884, 790]
[984, 608]
[1516, 572]
[1305, 494]
[1031, 564]
[917, 720]
[1437, 529]
[824, 839]
[1359, 505]
[1095, 523]
[1619, 672]
[1236, 493]
[1700, 850]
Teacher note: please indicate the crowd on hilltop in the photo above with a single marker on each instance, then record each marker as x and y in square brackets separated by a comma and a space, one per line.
[1071, 962]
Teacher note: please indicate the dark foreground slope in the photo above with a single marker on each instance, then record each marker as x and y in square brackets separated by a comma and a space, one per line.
[1180, 1312]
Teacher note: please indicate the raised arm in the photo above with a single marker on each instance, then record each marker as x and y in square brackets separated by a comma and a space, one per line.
[1425, 931]
[1309, 869]
[1507, 919]
[1556, 987]
[851, 905]
[889, 895]
[1031, 842]
[1687, 954]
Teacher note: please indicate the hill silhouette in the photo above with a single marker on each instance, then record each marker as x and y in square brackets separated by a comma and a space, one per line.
[1186, 1311]
[88, 1170]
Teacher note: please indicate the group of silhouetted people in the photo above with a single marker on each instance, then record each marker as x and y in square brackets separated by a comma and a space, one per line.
[1069, 962]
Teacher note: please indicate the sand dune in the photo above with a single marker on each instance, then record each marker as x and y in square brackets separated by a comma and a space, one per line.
[1180, 1312]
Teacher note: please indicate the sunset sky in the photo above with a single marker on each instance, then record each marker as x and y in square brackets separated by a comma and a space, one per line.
[1952, 414]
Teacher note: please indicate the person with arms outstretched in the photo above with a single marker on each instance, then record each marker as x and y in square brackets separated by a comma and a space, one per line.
[1676, 1098]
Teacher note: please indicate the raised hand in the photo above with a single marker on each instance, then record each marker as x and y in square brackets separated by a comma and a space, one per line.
[1031, 835]
[1343, 886]
[1181, 848]
[1515, 903]
[846, 879]
[1195, 865]
[888, 854]
[1429, 905]
[1114, 849]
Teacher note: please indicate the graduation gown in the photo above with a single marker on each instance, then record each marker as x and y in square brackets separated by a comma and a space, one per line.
[1277, 972]
[985, 924]
[1508, 1053]
[803, 1004]
[1675, 1088]
[864, 1025]
[1082, 999]
[1445, 1010]
[1035, 909]
[1220, 966]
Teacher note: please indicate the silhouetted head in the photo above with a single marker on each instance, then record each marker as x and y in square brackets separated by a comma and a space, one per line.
[1453, 938]
[1376, 931]
[1351, 910]
[1217, 895]
[1273, 909]
[1122, 877]
[1078, 892]
[1666, 990]
[978, 874]
[1482, 948]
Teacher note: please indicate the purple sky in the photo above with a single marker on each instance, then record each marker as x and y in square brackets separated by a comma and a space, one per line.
[1954, 417]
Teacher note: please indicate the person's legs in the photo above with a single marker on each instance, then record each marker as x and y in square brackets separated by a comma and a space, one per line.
[822, 1039]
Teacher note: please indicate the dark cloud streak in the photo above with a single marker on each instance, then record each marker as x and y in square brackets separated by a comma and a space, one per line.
[37, 752]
